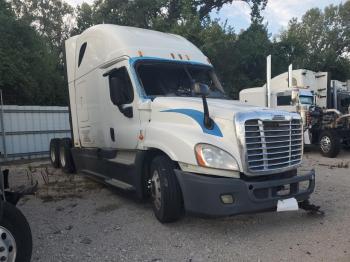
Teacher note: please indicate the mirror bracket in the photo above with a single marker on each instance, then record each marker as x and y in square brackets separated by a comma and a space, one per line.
[203, 90]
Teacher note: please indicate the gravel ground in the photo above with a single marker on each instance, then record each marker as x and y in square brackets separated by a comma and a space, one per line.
[76, 219]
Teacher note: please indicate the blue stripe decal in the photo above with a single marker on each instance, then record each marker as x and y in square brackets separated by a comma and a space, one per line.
[198, 116]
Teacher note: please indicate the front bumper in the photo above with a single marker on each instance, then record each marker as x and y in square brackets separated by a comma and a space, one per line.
[202, 194]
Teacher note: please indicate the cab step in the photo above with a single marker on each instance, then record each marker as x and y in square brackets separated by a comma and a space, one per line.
[120, 184]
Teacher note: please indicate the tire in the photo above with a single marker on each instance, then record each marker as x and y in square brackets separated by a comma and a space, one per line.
[165, 190]
[346, 145]
[66, 159]
[15, 229]
[329, 144]
[55, 152]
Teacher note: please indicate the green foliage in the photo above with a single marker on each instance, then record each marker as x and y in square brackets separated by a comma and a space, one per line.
[320, 41]
[33, 32]
[28, 71]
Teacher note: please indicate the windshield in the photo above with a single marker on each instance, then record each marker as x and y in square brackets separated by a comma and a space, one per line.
[306, 100]
[175, 79]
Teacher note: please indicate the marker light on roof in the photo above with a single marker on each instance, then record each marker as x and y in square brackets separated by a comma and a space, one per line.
[172, 55]
[180, 56]
[140, 53]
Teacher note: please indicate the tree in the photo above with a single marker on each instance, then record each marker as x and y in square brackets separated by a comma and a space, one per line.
[50, 18]
[320, 41]
[28, 70]
[84, 18]
[32, 68]
[206, 6]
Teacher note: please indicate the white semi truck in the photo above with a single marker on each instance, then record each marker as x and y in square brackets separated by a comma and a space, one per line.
[322, 103]
[148, 114]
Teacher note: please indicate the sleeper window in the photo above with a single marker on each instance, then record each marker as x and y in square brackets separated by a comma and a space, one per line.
[120, 87]
[81, 53]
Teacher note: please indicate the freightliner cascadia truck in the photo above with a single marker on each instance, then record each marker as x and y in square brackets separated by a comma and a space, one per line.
[149, 115]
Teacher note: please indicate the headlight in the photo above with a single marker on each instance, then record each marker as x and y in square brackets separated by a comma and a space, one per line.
[214, 157]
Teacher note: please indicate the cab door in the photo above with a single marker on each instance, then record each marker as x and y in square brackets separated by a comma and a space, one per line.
[122, 121]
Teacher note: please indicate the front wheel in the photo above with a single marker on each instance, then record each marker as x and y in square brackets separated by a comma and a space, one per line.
[15, 235]
[165, 190]
[329, 144]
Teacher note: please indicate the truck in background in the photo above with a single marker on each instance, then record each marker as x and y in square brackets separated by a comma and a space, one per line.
[322, 103]
[148, 114]
[340, 96]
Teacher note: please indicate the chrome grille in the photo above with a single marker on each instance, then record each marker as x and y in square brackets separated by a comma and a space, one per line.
[273, 144]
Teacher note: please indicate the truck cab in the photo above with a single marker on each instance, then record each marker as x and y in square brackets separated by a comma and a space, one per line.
[149, 114]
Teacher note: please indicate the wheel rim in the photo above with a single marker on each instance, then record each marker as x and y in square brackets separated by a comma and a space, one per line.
[8, 248]
[326, 144]
[53, 155]
[62, 158]
[156, 190]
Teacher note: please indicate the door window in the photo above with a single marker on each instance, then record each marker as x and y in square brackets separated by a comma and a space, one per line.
[120, 87]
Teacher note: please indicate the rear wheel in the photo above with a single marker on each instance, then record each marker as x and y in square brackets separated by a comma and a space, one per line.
[329, 144]
[55, 152]
[165, 190]
[66, 159]
[15, 235]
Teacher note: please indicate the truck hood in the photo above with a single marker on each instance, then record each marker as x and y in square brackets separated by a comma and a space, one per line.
[218, 108]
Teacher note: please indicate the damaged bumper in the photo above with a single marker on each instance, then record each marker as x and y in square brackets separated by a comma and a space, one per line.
[204, 194]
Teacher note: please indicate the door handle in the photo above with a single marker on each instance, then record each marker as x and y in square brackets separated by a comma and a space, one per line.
[111, 132]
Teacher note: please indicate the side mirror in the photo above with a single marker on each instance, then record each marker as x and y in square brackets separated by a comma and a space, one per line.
[200, 89]
[126, 110]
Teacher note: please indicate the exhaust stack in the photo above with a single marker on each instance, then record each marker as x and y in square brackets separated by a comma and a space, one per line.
[290, 75]
[268, 81]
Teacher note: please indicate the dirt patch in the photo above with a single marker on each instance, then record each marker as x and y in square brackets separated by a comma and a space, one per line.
[107, 208]
[336, 165]
[53, 184]
[67, 186]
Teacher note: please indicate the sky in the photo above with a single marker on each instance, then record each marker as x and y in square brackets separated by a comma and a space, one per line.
[277, 13]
